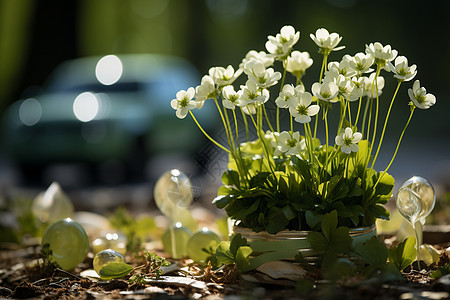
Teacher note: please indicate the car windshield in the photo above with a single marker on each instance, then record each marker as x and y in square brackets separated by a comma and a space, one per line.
[100, 88]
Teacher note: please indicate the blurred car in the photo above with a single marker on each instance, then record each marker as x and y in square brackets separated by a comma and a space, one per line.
[101, 109]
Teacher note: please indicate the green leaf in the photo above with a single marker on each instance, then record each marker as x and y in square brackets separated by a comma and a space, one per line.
[236, 242]
[313, 219]
[317, 241]
[329, 224]
[373, 251]
[289, 212]
[231, 177]
[223, 190]
[259, 180]
[242, 258]
[403, 254]
[441, 271]
[340, 240]
[276, 220]
[223, 253]
[115, 270]
[379, 211]
[222, 201]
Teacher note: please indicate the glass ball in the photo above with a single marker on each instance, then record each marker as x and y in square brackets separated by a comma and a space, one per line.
[105, 257]
[200, 240]
[110, 240]
[52, 205]
[68, 242]
[173, 194]
[415, 199]
[175, 241]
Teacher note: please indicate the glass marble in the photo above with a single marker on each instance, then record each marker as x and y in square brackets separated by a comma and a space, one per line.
[52, 205]
[175, 240]
[68, 241]
[173, 194]
[105, 257]
[202, 239]
[110, 240]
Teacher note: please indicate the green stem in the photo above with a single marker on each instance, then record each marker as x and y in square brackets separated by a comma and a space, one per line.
[207, 135]
[342, 117]
[366, 109]
[326, 138]
[359, 110]
[244, 118]
[227, 120]
[396, 149]
[267, 118]
[245, 169]
[322, 71]
[223, 122]
[349, 113]
[281, 88]
[385, 124]
[375, 125]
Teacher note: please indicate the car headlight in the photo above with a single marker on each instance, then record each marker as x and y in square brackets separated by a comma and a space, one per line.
[30, 112]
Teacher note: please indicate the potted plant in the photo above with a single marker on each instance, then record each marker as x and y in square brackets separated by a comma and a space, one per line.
[286, 181]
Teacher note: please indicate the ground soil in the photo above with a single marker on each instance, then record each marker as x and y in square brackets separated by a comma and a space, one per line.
[21, 277]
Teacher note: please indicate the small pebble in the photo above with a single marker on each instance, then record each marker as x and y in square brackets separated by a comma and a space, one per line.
[442, 284]
[5, 292]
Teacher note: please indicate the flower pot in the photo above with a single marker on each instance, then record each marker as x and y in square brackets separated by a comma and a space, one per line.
[286, 244]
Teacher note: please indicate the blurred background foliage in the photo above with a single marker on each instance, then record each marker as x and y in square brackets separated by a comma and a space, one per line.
[35, 36]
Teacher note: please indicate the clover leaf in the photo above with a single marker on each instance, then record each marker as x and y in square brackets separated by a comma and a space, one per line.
[237, 251]
[332, 238]
[403, 254]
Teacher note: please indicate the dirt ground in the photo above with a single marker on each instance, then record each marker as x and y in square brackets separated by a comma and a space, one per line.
[21, 277]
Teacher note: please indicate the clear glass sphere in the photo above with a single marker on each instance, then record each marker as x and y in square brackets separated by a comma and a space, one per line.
[105, 257]
[68, 242]
[175, 241]
[173, 194]
[110, 240]
[199, 240]
[415, 199]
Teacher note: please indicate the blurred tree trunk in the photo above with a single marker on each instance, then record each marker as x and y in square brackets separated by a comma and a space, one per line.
[15, 20]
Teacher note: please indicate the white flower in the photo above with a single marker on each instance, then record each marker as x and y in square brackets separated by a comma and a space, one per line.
[301, 108]
[230, 97]
[331, 75]
[272, 137]
[183, 102]
[261, 56]
[280, 45]
[348, 140]
[342, 67]
[290, 144]
[326, 91]
[369, 86]
[419, 96]
[261, 76]
[347, 88]
[286, 94]
[249, 109]
[381, 54]
[251, 94]
[298, 62]
[327, 42]
[361, 63]
[205, 90]
[358, 89]
[222, 76]
[401, 70]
